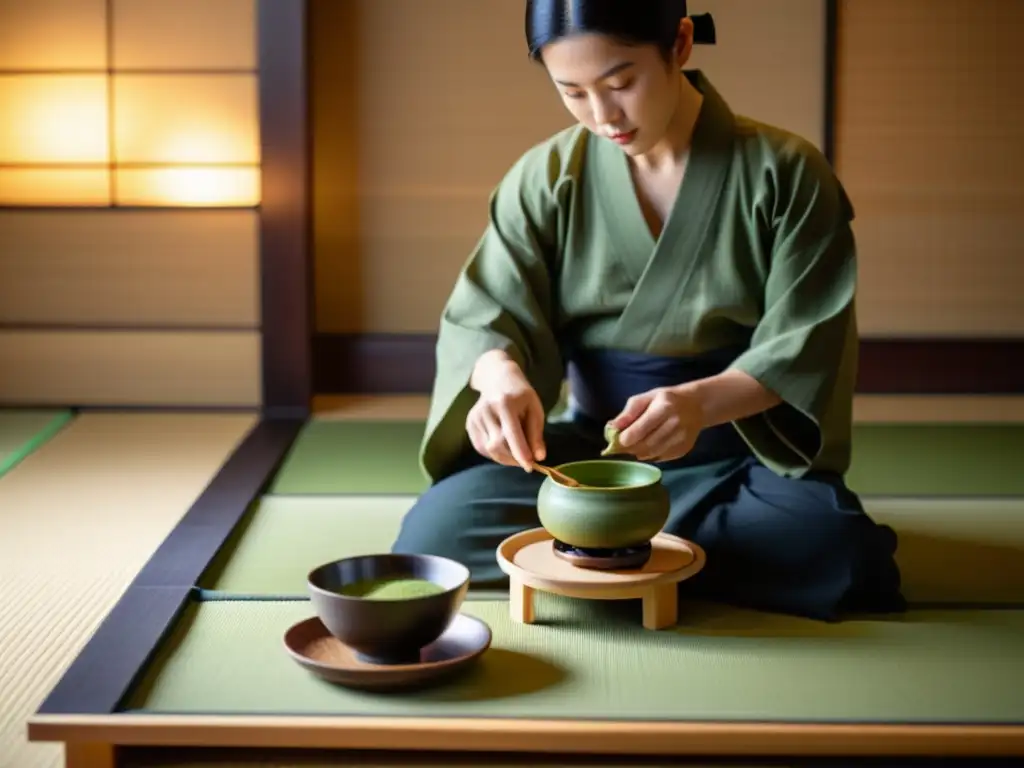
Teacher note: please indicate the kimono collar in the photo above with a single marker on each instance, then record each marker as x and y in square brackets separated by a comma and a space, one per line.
[716, 124]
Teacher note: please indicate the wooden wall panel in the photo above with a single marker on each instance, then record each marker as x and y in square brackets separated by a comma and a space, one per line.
[338, 292]
[130, 368]
[929, 131]
[140, 268]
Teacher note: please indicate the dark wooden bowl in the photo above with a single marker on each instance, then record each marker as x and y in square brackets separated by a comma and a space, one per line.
[387, 631]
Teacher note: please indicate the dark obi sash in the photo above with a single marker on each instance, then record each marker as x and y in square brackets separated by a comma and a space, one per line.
[602, 380]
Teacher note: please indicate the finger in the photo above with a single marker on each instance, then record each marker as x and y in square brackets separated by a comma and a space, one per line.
[641, 429]
[476, 432]
[660, 442]
[477, 436]
[633, 409]
[497, 449]
[512, 426]
[535, 430]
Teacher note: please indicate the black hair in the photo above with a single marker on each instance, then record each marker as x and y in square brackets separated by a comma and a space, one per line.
[641, 22]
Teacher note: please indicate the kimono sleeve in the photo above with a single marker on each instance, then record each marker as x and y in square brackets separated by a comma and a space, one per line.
[804, 348]
[502, 299]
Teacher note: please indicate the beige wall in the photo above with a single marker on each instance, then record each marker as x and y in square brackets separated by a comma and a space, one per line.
[410, 140]
[82, 292]
[134, 307]
[420, 107]
[929, 133]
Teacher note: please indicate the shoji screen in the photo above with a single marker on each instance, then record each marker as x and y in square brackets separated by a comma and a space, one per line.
[129, 172]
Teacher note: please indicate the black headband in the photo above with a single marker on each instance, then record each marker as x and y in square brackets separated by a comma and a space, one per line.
[703, 27]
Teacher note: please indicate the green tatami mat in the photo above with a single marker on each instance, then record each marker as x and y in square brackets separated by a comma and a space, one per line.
[24, 431]
[353, 457]
[951, 550]
[957, 550]
[283, 538]
[938, 460]
[594, 660]
[889, 459]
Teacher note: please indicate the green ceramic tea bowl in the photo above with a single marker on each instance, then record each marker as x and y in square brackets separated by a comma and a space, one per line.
[620, 504]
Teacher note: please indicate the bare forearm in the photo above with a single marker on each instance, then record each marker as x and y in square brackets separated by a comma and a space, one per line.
[730, 396]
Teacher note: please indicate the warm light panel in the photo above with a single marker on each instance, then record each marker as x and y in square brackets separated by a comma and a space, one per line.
[53, 119]
[63, 187]
[53, 34]
[186, 119]
[153, 105]
[184, 34]
[188, 186]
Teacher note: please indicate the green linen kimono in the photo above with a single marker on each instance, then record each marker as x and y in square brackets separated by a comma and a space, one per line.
[758, 250]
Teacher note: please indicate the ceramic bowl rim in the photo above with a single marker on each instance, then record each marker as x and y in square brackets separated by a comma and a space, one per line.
[656, 476]
[447, 562]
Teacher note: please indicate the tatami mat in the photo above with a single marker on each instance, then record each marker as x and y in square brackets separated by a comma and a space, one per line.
[284, 538]
[77, 522]
[952, 551]
[366, 456]
[960, 550]
[353, 456]
[99, 493]
[24, 431]
[594, 659]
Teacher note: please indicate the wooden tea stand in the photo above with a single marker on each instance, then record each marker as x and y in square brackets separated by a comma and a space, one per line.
[530, 561]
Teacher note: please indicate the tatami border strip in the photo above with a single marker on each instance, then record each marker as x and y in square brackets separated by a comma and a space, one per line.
[224, 596]
[864, 496]
[190, 547]
[105, 669]
[52, 428]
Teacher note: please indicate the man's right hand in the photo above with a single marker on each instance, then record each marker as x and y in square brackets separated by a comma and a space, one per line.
[506, 424]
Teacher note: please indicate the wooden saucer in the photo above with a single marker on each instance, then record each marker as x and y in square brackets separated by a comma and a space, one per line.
[530, 561]
[316, 649]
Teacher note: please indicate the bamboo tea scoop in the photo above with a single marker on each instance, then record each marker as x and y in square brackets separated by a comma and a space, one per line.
[557, 476]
